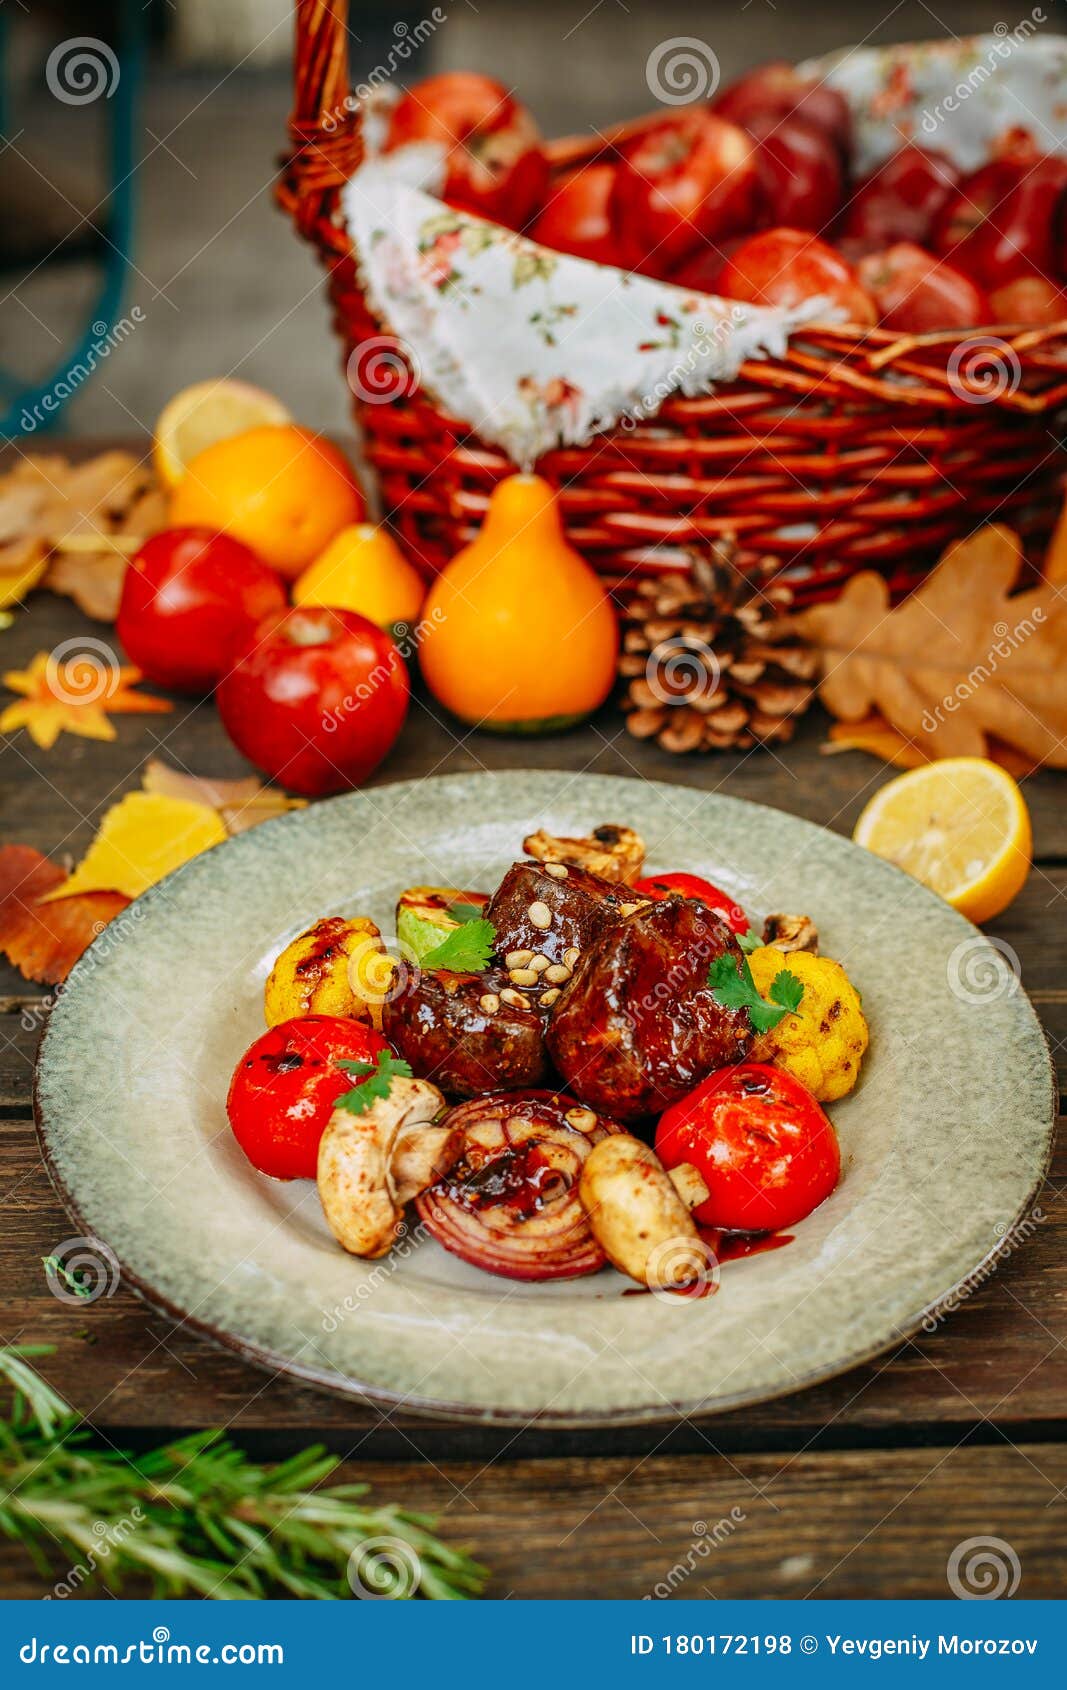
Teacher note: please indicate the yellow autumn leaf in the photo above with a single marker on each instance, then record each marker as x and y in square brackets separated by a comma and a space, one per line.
[142, 838]
[21, 566]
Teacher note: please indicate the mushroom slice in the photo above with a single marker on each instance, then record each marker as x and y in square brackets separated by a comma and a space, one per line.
[690, 1184]
[791, 933]
[638, 1218]
[370, 1165]
[611, 851]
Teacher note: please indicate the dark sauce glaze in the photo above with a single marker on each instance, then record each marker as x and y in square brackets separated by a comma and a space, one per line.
[728, 1247]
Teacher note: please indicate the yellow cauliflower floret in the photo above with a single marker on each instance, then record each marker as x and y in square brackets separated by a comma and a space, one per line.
[823, 1042]
[338, 966]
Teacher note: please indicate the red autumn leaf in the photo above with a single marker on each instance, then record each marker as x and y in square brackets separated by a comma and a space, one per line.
[44, 941]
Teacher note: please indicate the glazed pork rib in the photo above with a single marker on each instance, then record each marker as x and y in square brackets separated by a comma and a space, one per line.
[468, 1033]
[637, 1027]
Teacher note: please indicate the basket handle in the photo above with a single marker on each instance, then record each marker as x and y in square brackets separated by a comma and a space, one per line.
[325, 125]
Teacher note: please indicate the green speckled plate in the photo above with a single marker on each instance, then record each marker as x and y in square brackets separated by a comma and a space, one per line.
[945, 1141]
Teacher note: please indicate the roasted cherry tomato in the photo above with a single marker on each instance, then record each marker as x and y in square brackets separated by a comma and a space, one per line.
[689, 179]
[691, 886]
[786, 266]
[191, 599]
[900, 200]
[577, 217]
[918, 293]
[496, 166]
[800, 177]
[286, 1084]
[762, 1145]
[778, 90]
[317, 700]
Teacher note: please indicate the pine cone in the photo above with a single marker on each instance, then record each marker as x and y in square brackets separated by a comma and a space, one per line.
[710, 661]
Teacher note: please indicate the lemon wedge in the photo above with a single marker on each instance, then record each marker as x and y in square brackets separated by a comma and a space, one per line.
[208, 411]
[961, 826]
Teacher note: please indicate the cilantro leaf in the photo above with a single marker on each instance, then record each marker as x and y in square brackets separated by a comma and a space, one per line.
[466, 950]
[375, 1077]
[749, 941]
[734, 988]
[465, 912]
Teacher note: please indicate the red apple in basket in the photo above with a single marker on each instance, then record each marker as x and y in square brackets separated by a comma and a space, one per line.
[1031, 301]
[687, 180]
[899, 200]
[496, 166]
[787, 266]
[577, 215]
[778, 90]
[918, 293]
[1007, 220]
[801, 182]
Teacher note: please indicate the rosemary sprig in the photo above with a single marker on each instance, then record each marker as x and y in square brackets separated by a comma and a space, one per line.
[197, 1516]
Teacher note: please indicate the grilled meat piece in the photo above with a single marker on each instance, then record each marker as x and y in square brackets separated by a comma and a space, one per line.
[637, 1027]
[468, 1033]
[549, 909]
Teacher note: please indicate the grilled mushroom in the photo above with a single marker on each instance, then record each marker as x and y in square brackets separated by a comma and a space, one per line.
[611, 851]
[791, 933]
[637, 1216]
[370, 1165]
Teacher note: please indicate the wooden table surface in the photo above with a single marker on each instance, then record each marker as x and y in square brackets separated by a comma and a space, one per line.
[860, 1487]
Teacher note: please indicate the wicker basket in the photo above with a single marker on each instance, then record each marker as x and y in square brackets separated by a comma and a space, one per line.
[860, 448]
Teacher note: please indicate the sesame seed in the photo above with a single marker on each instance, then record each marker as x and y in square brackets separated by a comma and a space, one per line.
[548, 998]
[540, 915]
[489, 1002]
[518, 959]
[557, 974]
[522, 976]
[515, 1000]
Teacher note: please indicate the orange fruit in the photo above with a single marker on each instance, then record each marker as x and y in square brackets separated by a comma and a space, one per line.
[281, 489]
[961, 826]
[364, 569]
[517, 633]
[203, 413]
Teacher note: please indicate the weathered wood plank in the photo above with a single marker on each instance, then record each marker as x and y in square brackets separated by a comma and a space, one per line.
[1000, 1356]
[774, 1525]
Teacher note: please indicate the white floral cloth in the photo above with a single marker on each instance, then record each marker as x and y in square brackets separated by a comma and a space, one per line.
[535, 349]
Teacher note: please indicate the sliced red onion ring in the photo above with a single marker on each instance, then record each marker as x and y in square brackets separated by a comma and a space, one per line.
[509, 1203]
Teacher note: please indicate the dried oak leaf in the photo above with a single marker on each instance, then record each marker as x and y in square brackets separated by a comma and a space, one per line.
[45, 941]
[875, 736]
[958, 663]
[240, 803]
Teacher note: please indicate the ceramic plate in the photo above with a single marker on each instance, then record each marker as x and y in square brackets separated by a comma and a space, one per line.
[944, 1142]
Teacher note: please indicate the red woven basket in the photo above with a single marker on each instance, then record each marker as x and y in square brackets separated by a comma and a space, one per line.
[860, 448]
